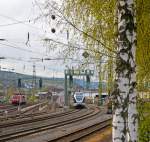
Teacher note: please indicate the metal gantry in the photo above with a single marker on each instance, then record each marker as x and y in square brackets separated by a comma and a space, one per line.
[71, 73]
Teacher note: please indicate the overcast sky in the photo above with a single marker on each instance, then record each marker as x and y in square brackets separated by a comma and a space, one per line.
[16, 36]
[16, 47]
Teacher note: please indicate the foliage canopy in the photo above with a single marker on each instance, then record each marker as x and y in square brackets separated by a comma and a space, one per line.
[98, 19]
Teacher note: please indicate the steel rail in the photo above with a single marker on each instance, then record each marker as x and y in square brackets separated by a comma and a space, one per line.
[34, 119]
[46, 127]
[83, 132]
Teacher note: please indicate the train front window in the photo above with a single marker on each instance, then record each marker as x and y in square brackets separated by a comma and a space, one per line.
[79, 96]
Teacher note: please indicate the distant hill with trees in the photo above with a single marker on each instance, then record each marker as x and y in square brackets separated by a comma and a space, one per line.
[11, 78]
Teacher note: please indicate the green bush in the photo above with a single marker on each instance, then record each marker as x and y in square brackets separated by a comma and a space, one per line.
[144, 121]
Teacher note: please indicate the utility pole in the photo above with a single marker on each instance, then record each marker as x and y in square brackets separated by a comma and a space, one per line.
[66, 90]
[2, 39]
[1, 58]
[110, 76]
[100, 89]
[33, 80]
[34, 76]
[100, 85]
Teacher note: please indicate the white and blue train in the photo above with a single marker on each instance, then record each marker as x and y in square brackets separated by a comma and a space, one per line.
[79, 100]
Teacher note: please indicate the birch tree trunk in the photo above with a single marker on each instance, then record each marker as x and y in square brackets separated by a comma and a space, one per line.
[124, 94]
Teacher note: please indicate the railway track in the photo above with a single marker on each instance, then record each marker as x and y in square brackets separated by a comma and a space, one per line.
[14, 114]
[49, 126]
[22, 115]
[9, 108]
[78, 134]
[34, 118]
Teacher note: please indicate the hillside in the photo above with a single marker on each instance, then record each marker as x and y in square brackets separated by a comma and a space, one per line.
[11, 78]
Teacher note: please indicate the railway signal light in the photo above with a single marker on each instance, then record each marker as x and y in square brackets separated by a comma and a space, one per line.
[40, 83]
[87, 81]
[71, 81]
[19, 82]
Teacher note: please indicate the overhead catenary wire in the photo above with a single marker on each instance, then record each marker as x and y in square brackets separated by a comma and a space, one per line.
[39, 69]
[31, 60]
[26, 50]
[30, 51]
[20, 22]
[55, 40]
[27, 66]
[14, 23]
[78, 29]
[66, 21]
[79, 47]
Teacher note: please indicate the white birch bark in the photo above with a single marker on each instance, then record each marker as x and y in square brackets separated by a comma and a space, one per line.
[124, 95]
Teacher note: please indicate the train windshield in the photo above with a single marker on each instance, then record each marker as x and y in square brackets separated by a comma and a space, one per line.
[79, 96]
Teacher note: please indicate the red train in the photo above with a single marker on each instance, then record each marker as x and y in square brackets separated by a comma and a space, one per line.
[18, 98]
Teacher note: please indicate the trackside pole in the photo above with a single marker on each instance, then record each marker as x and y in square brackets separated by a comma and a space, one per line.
[66, 92]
